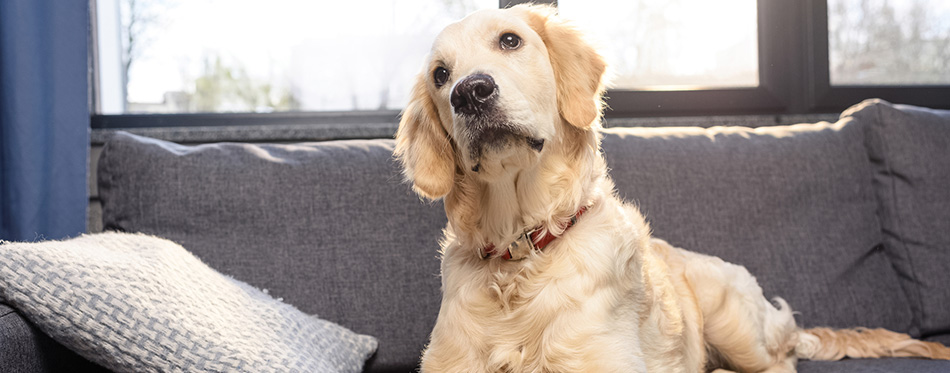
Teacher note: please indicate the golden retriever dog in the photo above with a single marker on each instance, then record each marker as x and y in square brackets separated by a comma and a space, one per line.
[544, 268]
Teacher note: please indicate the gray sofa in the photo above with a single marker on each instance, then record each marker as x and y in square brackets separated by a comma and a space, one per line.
[848, 221]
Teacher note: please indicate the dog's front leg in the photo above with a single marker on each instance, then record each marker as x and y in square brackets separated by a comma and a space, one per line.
[452, 349]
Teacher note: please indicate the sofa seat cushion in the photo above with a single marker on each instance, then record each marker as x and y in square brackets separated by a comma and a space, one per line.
[26, 349]
[794, 204]
[890, 365]
[910, 150]
[942, 338]
[136, 303]
[328, 226]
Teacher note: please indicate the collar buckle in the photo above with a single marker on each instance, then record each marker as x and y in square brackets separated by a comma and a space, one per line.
[525, 243]
[520, 248]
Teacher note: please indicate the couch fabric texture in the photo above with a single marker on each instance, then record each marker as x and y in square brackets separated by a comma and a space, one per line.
[27, 349]
[793, 204]
[135, 303]
[847, 221]
[909, 148]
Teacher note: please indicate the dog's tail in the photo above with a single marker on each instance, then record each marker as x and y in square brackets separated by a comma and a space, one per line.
[836, 344]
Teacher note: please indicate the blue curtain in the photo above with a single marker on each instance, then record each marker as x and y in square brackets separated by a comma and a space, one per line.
[44, 118]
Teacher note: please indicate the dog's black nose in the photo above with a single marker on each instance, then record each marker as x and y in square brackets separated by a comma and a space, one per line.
[473, 93]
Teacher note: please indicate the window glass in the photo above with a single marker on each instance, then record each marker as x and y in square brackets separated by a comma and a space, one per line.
[181, 56]
[881, 42]
[673, 44]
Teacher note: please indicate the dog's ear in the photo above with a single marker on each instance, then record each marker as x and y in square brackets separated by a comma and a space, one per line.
[423, 147]
[578, 68]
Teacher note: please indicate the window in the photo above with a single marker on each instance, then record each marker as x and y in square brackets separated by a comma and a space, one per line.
[895, 50]
[254, 56]
[297, 60]
[889, 42]
[672, 44]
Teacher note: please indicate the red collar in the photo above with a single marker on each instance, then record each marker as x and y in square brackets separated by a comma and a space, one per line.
[532, 239]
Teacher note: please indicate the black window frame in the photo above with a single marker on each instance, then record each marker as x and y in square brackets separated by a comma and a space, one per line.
[793, 79]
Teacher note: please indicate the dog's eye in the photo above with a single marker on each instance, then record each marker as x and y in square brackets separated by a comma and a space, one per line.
[440, 76]
[510, 41]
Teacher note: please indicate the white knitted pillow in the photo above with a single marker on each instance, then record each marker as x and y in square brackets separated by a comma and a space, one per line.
[135, 303]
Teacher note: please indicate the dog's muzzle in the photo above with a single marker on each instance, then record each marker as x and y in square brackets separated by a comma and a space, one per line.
[475, 100]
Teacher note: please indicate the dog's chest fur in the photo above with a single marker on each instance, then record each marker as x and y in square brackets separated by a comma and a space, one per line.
[568, 309]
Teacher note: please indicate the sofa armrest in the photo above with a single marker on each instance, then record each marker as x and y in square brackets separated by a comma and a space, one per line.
[24, 348]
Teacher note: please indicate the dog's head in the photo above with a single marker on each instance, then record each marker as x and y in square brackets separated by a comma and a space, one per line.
[499, 89]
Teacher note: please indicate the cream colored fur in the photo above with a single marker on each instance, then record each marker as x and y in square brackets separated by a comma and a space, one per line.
[604, 296]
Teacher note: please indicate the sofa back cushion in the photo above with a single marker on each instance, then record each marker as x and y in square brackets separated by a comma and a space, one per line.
[329, 227]
[910, 150]
[793, 204]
